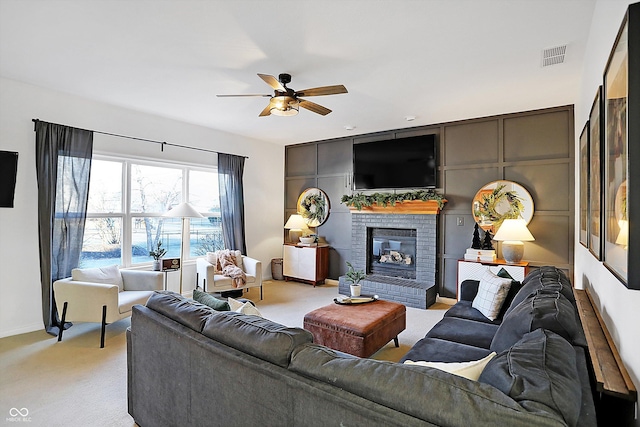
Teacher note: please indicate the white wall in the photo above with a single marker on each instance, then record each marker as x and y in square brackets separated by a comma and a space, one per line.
[20, 294]
[619, 306]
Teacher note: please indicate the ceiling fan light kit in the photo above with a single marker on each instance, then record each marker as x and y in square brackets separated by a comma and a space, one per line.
[287, 102]
[284, 106]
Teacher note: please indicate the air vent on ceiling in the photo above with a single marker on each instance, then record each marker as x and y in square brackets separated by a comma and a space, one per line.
[553, 55]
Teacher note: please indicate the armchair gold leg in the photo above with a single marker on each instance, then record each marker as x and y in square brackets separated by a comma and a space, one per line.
[104, 324]
[61, 326]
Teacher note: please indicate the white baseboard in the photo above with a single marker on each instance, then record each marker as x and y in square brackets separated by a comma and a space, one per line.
[23, 330]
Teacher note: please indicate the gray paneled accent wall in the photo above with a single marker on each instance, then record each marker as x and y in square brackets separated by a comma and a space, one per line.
[533, 148]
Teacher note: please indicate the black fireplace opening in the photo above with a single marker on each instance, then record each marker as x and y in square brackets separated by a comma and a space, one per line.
[391, 252]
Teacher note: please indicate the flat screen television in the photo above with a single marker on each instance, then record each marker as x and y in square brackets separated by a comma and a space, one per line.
[8, 170]
[395, 163]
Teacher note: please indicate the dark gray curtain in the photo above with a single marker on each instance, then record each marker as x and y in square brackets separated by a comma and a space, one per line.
[230, 170]
[63, 165]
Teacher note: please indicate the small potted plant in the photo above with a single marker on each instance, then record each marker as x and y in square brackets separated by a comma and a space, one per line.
[157, 256]
[353, 277]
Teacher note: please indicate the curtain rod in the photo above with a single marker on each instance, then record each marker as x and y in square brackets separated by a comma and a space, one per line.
[162, 143]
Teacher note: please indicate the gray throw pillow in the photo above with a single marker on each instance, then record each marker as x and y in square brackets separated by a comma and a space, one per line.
[211, 301]
[540, 373]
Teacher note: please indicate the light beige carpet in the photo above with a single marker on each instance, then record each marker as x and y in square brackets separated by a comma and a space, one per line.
[75, 383]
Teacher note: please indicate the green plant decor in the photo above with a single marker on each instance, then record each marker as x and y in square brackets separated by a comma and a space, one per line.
[159, 252]
[314, 207]
[487, 207]
[360, 200]
[354, 276]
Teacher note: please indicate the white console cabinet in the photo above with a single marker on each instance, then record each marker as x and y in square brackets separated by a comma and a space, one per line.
[474, 270]
[306, 263]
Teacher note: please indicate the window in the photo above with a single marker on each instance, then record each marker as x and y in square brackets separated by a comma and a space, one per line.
[127, 199]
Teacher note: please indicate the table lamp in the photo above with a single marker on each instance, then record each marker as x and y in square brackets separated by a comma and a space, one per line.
[512, 233]
[295, 224]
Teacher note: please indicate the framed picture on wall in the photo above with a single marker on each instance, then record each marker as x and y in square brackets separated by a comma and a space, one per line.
[595, 176]
[621, 207]
[584, 185]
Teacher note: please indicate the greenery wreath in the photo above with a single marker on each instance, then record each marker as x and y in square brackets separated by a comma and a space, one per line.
[486, 207]
[314, 207]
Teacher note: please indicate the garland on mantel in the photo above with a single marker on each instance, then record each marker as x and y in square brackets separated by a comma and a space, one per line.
[360, 200]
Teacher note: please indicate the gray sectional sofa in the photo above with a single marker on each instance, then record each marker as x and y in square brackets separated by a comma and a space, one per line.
[189, 365]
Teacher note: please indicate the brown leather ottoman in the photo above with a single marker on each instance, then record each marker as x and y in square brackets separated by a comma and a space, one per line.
[358, 329]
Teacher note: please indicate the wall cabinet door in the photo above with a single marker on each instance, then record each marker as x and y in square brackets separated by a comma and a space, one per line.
[306, 263]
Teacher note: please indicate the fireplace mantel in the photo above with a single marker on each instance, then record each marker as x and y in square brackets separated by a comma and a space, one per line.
[407, 207]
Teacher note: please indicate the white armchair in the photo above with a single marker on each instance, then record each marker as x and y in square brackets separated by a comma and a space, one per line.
[212, 281]
[103, 295]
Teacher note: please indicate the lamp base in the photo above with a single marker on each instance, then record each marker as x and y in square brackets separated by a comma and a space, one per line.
[512, 251]
[294, 235]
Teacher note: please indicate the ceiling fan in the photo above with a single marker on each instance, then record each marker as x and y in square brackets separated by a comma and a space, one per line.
[286, 101]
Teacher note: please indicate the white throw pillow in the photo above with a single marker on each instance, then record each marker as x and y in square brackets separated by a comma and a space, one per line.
[109, 275]
[470, 370]
[244, 308]
[492, 292]
[212, 258]
[238, 255]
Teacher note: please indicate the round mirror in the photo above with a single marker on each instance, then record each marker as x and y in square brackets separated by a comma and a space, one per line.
[500, 200]
[313, 205]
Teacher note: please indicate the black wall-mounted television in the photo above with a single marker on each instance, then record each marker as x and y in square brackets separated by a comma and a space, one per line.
[8, 171]
[395, 163]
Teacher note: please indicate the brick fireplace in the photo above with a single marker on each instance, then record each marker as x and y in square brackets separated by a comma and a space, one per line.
[368, 242]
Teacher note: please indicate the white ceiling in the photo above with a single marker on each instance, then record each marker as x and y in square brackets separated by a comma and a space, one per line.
[438, 60]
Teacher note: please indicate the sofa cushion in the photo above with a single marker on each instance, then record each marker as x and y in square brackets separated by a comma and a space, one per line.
[439, 350]
[464, 331]
[463, 310]
[544, 309]
[440, 395]
[470, 370]
[210, 300]
[547, 277]
[109, 275]
[126, 300]
[492, 292]
[256, 336]
[190, 313]
[539, 372]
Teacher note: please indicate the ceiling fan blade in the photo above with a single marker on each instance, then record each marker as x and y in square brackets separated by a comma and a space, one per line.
[312, 106]
[230, 96]
[324, 90]
[272, 81]
[266, 111]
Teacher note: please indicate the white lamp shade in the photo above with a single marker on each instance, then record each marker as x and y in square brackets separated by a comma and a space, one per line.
[513, 229]
[296, 222]
[183, 210]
